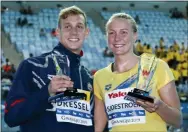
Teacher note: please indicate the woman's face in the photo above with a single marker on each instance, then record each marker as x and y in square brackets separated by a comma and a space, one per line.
[121, 37]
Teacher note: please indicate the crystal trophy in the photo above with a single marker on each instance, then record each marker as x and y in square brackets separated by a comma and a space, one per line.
[146, 70]
[70, 93]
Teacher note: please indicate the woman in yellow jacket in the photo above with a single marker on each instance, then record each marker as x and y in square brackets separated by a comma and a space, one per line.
[112, 83]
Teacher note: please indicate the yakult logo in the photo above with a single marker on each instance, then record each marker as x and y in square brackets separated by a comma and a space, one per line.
[118, 94]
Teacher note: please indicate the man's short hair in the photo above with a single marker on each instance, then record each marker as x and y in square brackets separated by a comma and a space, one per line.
[73, 10]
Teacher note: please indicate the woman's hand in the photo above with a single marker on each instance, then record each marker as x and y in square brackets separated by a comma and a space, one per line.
[150, 107]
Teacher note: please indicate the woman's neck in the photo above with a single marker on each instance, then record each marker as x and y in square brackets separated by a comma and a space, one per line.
[125, 63]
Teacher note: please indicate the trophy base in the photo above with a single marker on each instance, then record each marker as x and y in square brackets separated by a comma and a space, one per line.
[139, 94]
[75, 93]
[68, 95]
[141, 97]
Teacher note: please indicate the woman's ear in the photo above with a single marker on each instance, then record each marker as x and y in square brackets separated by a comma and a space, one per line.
[135, 36]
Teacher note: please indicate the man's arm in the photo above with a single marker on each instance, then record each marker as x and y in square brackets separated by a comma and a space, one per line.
[23, 103]
[100, 117]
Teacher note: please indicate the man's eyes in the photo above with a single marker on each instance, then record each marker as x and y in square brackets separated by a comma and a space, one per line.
[79, 26]
[124, 32]
[111, 33]
[68, 26]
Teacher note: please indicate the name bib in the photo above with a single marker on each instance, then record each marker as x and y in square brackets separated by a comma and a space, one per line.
[75, 111]
[121, 111]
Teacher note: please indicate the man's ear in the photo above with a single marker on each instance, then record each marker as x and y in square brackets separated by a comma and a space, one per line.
[58, 30]
[87, 32]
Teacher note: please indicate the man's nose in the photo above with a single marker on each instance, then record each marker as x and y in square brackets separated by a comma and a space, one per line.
[74, 31]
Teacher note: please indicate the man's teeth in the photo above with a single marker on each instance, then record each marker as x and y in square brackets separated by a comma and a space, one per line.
[74, 40]
[118, 45]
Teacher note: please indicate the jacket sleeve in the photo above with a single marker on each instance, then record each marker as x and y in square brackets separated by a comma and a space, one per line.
[23, 104]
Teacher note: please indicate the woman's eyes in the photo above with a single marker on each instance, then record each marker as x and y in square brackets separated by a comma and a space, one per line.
[79, 26]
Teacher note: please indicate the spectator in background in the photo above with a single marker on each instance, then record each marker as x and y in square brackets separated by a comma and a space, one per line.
[139, 47]
[23, 10]
[107, 53]
[7, 66]
[22, 22]
[164, 57]
[182, 46]
[144, 47]
[13, 69]
[29, 11]
[59, 6]
[54, 32]
[137, 19]
[176, 47]
[148, 49]
[30, 55]
[171, 52]
[3, 9]
[176, 73]
[42, 33]
[93, 72]
[184, 67]
[161, 51]
[161, 42]
[157, 52]
[25, 21]
[177, 55]
[6, 72]
[175, 13]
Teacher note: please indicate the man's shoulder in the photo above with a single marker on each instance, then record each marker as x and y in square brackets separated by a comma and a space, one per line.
[42, 59]
[86, 70]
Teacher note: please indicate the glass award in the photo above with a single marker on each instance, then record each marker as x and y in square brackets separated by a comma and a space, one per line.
[146, 70]
[139, 94]
[70, 93]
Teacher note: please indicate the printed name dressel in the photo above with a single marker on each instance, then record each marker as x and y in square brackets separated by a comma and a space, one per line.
[74, 104]
[122, 106]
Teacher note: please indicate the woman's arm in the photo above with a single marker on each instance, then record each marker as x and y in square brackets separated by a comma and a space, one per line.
[100, 117]
[168, 108]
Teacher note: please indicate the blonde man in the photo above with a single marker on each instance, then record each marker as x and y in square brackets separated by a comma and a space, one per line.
[40, 78]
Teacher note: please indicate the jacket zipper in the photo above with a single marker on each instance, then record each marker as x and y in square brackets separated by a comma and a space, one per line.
[81, 85]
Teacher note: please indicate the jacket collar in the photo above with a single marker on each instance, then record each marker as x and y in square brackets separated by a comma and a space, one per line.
[74, 58]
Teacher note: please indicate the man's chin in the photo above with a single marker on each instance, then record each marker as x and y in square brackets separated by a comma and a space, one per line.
[75, 50]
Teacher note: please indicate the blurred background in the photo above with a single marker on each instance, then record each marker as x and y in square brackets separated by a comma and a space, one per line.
[28, 29]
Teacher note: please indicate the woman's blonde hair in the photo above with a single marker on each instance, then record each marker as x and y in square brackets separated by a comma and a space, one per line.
[124, 16]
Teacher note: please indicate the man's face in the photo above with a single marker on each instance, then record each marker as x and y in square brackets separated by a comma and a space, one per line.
[120, 36]
[72, 32]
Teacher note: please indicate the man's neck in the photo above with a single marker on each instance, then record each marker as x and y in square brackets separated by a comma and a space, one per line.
[125, 62]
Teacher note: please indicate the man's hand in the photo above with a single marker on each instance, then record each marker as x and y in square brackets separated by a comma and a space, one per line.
[59, 84]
